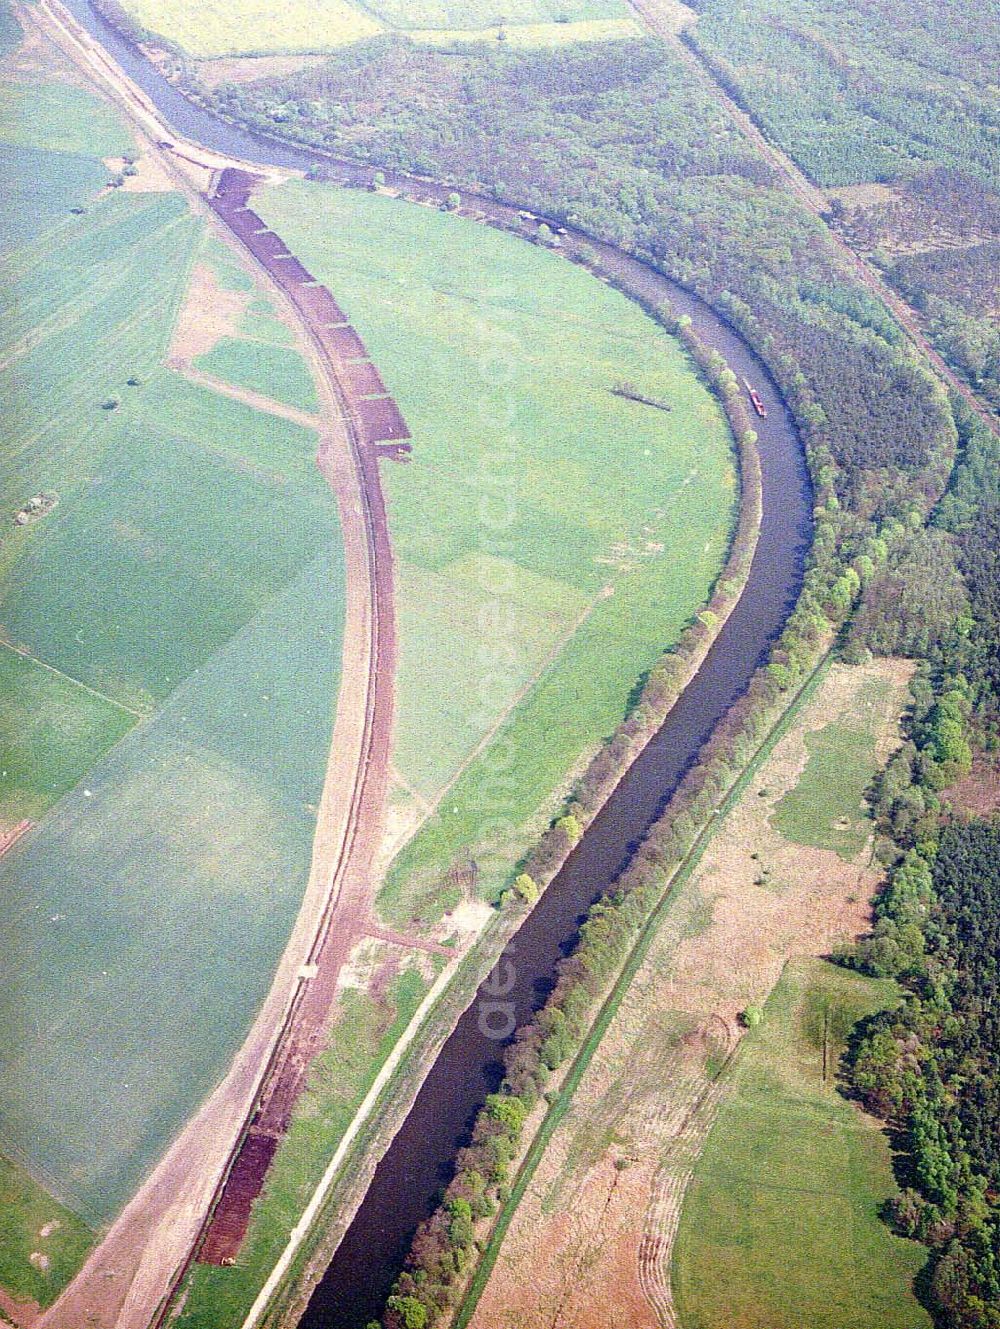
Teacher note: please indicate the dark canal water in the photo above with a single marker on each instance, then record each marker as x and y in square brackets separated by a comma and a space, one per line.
[419, 1159]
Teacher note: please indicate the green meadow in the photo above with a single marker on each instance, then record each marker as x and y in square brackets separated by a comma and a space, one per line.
[780, 1226]
[147, 914]
[166, 715]
[476, 14]
[51, 731]
[826, 808]
[33, 1223]
[277, 371]
[552, 538]
[208, 29]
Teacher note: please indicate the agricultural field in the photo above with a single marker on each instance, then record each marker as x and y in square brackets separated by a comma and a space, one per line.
[253, 28]
[528, 602]
[147, 915]
[373, 1010]
[781, 1223]
[599, 1215]
[52, 729]
[171, 628]
[459, 14]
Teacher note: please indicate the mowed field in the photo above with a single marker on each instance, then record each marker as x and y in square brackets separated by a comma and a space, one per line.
[552, 538]
[254, 27]
[780, 1228]
[167, 712]
[826, 809]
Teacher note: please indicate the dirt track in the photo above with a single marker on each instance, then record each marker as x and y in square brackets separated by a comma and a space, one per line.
[123, 1281]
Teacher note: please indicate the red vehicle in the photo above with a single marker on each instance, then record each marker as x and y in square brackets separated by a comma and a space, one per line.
[758, 405]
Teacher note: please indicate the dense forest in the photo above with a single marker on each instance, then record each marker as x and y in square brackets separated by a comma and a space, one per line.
[622, 143]
[859, 98]
[932, 1067]
[862, 90]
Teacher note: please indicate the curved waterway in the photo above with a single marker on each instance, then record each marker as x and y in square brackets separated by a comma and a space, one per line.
[419, 1160]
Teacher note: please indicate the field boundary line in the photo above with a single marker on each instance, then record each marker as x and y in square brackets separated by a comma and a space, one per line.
[25, 654]
[609, 1007]
[257, 401]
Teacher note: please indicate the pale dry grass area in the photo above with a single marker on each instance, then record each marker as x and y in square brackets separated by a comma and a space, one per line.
[590, 1245]
[150, 175]
[208, 313]
[535, 34]
[250, 68]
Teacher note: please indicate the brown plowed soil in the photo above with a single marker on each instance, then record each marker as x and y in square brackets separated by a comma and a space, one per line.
[208, 313]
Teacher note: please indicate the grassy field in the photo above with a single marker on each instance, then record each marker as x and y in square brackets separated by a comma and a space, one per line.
[254, 27]
[33, 1224]
[826, 808]
[537, 34]
[552, 539]
[277, 371]
[780, 1229]
[51, 731]
[60, 117]
[465, 14]
[191, 570]
[365, 1029]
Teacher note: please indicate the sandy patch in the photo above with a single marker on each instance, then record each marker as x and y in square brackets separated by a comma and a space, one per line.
[150, 176]
[362, 965]
[467, 920]
[209, 313]
[596, 1226]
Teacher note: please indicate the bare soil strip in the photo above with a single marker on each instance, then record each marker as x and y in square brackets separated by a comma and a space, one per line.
[250, 398]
